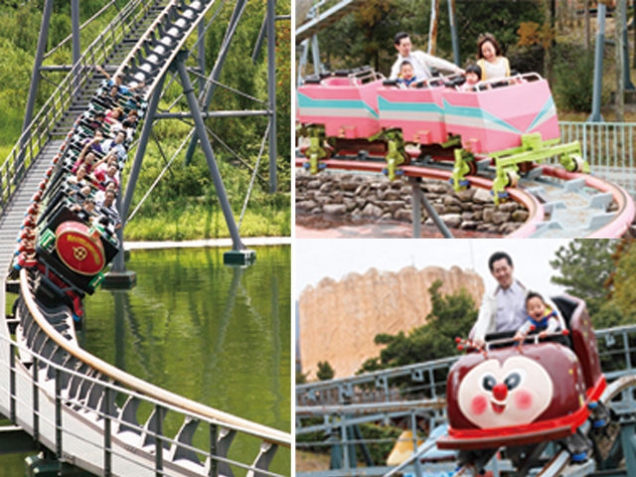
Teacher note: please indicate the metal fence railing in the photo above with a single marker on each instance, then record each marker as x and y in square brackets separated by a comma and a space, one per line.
[617, 353]
[63, 391]
[36, 135]
[609, 148]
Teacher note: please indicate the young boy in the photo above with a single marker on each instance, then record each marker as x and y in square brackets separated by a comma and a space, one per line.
[473, 76]
[407, 76]
[540, 315]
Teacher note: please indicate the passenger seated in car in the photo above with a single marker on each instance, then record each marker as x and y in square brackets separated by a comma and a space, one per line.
[473, 76]
[540, 316]
[407, 76]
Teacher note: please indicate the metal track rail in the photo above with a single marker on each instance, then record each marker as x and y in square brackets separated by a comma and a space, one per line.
[598, 225]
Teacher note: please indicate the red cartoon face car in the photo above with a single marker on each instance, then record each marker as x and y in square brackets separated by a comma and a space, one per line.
[521, 395]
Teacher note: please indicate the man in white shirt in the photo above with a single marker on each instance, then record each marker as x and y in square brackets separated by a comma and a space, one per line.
[422, 62]
[505, 308]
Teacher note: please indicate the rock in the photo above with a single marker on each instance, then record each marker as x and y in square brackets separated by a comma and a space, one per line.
[437, 188]
[452, 220]
[335, 209]
[386, 216]
[450, 200]
[404, 215]
[394, 205]
[520, 215]
[466, 195]
[350, 204]
[468, 216]
[337, 197]
[469, 225]
[385, 302]
[326, 188]
[391, 195]
[349, 186]
[306, 205]
[453, 209]
[315, 184]
[499, 217]
[487, 214]
[372, 210]
[508, 228]
[362, 189]
[482, 196]
[508, 206]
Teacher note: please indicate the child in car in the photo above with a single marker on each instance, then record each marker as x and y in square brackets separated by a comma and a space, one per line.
[541, 318]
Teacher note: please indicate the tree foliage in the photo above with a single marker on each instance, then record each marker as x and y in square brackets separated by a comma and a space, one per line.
[450, 316]
[585, 268]
[325, 371]
[366, 37]
[620, 308]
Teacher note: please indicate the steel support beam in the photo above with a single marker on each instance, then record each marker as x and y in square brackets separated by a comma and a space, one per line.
[37, 64]
[213, 114]
[453, 27]
[201, 54]
[417, 211]
[432, 213]
[302, 63]
[627, 80]
[75, 24]
[598, 65]
[188, 90]
[271, 84]
[216, 71]
[119, 265]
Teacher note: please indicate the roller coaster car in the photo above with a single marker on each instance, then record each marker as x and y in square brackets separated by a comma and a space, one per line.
[523, 395]
[74, 249]
[346, 104]
[417, 112]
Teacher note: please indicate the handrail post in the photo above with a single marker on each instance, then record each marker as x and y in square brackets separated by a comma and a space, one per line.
[214, 435]
[12, 399]
[36, 400]
[107, 434]
[159, 442]
[58, 413]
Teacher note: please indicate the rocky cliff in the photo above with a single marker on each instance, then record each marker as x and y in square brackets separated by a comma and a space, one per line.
[339, 319]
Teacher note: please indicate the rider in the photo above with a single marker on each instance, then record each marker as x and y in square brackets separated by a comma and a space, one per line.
[422, 62]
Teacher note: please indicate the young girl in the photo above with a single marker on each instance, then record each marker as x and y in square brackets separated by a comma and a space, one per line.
[540, 315]
[473, 76]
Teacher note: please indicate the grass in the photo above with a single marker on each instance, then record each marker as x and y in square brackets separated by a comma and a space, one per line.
[195, 221]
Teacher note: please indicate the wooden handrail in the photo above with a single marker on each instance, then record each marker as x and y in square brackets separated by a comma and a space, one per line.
[265, 433]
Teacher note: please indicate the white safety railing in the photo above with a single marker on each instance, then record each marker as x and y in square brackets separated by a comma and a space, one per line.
[609, 148]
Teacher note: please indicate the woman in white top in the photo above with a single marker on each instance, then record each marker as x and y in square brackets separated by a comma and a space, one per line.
[493, 65]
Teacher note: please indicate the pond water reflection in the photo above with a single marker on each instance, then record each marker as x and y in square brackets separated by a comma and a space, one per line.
[215, 334]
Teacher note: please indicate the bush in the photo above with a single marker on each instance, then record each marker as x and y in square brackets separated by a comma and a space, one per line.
[574, 78]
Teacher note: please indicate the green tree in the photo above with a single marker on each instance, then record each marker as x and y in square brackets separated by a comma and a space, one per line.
[450, 316]
[585, 267]
[620, 308]
[325, 371]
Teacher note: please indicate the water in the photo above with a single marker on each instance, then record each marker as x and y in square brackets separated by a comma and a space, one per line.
[214, 334]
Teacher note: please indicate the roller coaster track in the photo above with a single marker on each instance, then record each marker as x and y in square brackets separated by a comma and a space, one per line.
[324, 19]
[560, 203]
[83, 410]
[418, 389]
